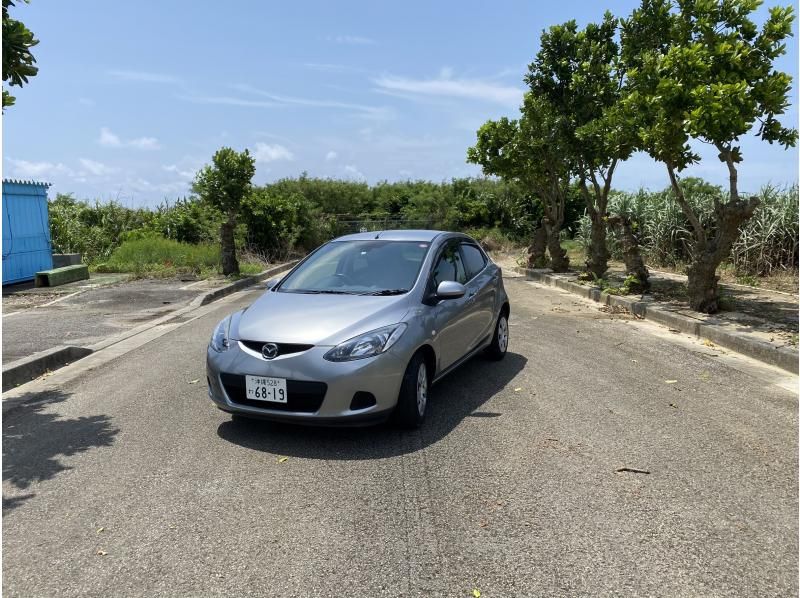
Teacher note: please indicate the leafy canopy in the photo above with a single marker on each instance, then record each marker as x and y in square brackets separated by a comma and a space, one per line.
[705, 71]
[225, 182]
[18, 62]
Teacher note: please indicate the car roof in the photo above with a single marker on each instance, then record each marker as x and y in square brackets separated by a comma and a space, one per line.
[394, 235]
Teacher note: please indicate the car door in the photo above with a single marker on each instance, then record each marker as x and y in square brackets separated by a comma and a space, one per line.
[452, 332]
[481, 290]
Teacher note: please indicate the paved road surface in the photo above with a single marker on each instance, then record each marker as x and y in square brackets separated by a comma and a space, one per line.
[86, 314]
[127, 482]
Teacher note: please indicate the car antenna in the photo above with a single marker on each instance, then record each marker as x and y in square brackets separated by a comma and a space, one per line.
[378, 234]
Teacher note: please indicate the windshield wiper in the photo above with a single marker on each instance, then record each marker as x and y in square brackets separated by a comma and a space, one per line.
[319, 292]
[386, 292]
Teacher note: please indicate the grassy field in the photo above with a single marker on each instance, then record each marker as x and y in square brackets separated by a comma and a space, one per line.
[156, 257]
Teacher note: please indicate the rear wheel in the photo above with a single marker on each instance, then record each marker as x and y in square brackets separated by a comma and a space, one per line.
[412, 402]
[497, 350]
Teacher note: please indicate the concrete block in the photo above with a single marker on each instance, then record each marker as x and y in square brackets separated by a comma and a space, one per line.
[59, 276]
[66, 259]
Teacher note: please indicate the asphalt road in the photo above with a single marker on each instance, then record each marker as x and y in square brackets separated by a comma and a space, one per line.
[40, 319]
[128, 482]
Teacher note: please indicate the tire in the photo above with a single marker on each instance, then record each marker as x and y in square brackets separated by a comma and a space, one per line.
[497, 350]
[412, 401]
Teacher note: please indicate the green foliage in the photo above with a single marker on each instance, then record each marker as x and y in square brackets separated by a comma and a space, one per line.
[18, 61]
[768, 242]
[187, 221]
[279, 223]
[152, 255]
[226, 182]
[92, 230]
[705, 71]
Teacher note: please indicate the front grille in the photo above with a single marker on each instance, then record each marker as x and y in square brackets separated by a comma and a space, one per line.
[303, 397]
[283, 348]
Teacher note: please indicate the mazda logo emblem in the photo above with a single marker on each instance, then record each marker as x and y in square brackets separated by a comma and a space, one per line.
[269, 351]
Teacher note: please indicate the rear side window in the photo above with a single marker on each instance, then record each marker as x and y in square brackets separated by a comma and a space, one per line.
[474, 261]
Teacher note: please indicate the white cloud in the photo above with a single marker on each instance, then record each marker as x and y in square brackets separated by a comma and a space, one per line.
[145, 143]
[110, 139]
[265, 152]
[372, 112]
[187, 174]
[446, 86]
[331, 155]
[26, 169]
[228, 101]
[143, 77]
[96, 168]
[352, 40]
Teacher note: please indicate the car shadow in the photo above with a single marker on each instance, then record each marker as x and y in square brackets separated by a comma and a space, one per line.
[35, 439]
[459, 395]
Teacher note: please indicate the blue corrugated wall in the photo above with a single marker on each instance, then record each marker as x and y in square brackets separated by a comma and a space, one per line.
[26, 231]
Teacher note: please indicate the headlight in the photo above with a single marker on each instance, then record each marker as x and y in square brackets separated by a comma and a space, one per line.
[219, 338]
[368, 344]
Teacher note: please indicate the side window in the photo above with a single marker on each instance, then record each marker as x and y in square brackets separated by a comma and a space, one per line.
[474, 261]
[449, 267]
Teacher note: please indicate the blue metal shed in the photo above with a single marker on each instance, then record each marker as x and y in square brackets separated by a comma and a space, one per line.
[26, 230]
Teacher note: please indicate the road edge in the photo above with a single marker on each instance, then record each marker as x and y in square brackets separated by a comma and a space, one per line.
[781, 357]
[30, 368]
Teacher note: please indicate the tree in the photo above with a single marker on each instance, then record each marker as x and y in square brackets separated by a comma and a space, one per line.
[224, 185]
[18, 62]
[705, 72]
[532, 151]
[578, 72]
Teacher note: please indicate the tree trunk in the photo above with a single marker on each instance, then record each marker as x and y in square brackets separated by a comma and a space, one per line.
[708, 254]
[230, 265]
[703, 289]
[537, 248]
[597, 259]
[634, 263]
[559, 262]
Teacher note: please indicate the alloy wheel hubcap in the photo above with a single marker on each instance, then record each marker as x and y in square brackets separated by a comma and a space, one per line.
[502, 334]
[422, 388]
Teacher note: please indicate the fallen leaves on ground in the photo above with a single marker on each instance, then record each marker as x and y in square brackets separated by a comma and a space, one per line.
[670, 381]
[476, 592]
[195, 381]
[517, 389]
[282, 459]
[100, 529]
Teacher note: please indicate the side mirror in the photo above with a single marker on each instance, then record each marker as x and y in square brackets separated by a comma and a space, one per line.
[271, 283]
[450, 289]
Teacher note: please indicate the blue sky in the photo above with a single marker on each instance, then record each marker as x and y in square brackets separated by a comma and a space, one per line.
[133, 97]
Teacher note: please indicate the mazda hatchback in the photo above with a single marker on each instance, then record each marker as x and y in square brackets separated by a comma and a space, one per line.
[360, 329]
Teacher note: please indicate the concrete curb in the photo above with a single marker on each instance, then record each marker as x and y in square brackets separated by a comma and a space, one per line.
[242, 284]
[31, 367]
[706, 327]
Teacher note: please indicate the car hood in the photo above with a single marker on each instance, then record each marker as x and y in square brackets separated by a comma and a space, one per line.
[316, 319]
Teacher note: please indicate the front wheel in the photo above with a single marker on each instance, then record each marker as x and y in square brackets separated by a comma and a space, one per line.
[497, 350]
[413, 400]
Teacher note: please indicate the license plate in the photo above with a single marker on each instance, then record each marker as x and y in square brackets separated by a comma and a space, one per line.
[272, 390]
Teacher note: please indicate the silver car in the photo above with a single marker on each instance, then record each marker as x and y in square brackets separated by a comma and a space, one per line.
[359, 330]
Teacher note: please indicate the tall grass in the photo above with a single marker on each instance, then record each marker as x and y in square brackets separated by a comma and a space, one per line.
[151, 255]
[768, 241]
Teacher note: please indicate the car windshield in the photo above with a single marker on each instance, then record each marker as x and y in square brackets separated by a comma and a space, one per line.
[374, 267]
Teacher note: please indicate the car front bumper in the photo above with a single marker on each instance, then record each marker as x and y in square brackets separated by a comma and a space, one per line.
[320, 392]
